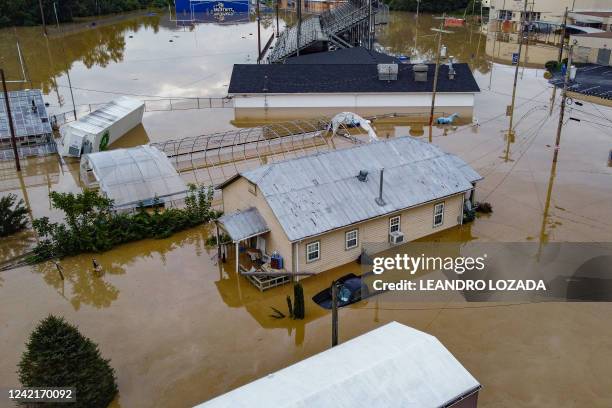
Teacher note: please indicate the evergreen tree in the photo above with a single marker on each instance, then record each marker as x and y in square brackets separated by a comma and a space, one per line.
[57, 355]
[12, 215]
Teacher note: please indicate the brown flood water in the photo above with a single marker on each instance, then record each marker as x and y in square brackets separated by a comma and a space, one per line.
[180, 329]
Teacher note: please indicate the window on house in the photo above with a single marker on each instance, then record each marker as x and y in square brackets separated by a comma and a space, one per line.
[394, 224]
[252, 188]
[313, 251]
[352, 239]
[504, 15]
[438, 214]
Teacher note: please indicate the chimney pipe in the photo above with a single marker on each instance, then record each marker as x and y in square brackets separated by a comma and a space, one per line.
[379, 200]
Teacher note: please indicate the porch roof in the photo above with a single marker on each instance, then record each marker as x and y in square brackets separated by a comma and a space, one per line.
[244, 224]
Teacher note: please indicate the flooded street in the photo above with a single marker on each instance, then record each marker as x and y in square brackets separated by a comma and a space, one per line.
[180, 329]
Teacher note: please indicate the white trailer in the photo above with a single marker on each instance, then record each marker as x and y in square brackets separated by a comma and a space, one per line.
[95, 131]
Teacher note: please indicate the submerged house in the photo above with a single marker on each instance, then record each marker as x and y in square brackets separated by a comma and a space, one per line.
[392, 366]
[315, 211]
[354, 80]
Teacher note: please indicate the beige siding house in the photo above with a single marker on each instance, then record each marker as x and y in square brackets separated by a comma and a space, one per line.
[317, 212]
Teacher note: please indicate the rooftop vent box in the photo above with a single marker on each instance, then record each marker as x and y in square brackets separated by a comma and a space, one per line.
[387, 72]
[420, 72]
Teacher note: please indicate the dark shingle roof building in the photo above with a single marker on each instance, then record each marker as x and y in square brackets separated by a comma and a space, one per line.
[340, 78]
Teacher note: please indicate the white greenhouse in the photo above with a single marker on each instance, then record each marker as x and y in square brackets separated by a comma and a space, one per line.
[133, 177]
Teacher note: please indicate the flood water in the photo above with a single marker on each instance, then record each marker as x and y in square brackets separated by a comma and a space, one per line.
[180, 328]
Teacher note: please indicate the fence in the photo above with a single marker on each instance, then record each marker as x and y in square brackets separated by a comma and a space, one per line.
[151, 105]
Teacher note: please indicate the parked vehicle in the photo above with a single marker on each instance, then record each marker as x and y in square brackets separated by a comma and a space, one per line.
[351, 289]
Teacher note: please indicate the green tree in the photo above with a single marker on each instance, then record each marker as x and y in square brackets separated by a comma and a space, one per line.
[91, 225]
[57, 355]
[13, 215]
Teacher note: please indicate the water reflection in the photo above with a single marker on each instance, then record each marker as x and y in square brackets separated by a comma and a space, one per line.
[405, 36]
[76, 280]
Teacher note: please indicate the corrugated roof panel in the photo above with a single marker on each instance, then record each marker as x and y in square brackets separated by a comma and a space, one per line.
[317, 193]
[244, 224]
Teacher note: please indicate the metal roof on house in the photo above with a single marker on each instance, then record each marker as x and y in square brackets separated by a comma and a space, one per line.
[314, 194]
[106, 115]
[391, 366]
[26, 121]
[343, 78]
[244, 224]
[354, 55]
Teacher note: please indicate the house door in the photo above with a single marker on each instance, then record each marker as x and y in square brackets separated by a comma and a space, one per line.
[603, 56]
[261, 244]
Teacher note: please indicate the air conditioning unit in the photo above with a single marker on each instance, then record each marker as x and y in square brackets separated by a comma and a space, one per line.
[396, 237]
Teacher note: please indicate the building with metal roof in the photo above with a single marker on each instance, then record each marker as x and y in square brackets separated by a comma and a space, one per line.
[320, 208]
[33, 131]
[132, 177]
[391, 366]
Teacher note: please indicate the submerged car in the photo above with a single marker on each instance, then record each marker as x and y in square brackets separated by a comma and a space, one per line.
[351, 289]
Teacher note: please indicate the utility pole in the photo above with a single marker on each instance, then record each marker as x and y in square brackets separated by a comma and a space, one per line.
[9, 118]
[42, 16]
[437, 70]
[559, 58]
[370, 25]
[67, 70]
[299, 27]
[510, 134]
[258, 33]
[334, 294]
[277, 26]
[563, 99]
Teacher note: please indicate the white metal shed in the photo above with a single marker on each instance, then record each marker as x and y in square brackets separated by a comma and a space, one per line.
[392, 366]
[133, 176]
[102, 127]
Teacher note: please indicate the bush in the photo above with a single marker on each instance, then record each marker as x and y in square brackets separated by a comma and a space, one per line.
[57, 355]
[90, 224]
[551, 66]
[484, 208]
[13, 215]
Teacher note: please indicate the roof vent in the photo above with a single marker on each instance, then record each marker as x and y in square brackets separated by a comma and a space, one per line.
[420, 72]
[363, 175]
[387, 72]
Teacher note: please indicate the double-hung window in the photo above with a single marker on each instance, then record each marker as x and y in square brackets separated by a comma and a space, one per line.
[352, 239]
[394, 224]
[438, 215]
[313, 251]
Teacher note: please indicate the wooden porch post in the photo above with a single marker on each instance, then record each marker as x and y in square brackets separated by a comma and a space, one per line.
[238, 257]
[218, 242]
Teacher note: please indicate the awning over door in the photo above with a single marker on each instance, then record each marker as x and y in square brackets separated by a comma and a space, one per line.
[241, 225]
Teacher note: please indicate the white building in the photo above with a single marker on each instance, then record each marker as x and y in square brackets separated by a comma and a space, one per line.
[392, 366]
[355, 80]
[551, 11]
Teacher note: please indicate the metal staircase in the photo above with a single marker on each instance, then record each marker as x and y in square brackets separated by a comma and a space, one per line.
[331, 26]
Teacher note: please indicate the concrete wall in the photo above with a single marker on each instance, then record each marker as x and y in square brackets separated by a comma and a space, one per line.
[352, 100]
[587, 48]
[415, 223]
[292, 106]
